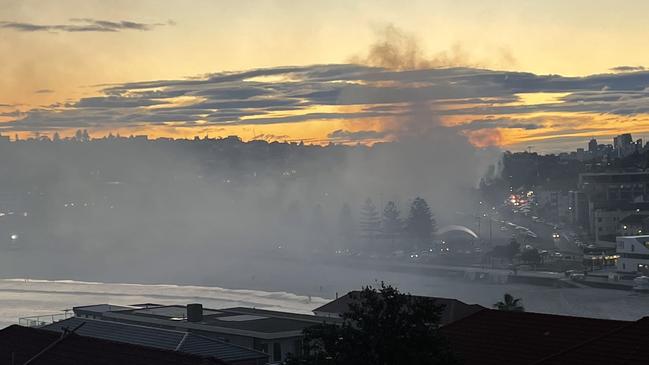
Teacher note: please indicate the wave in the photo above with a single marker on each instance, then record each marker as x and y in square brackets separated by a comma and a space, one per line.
[26, 296]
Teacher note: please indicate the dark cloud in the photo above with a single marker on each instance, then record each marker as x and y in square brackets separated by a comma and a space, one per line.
[306, 93]
[81, 25]
[44, 91]
[115, 102]
[627, 68]
[348, 136]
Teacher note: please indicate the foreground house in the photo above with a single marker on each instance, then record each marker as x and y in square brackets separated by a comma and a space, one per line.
[274, 333]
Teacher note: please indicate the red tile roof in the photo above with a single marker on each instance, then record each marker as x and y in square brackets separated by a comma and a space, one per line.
[499, 337]
[627, 345]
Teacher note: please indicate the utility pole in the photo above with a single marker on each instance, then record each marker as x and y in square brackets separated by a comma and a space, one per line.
[490, 231]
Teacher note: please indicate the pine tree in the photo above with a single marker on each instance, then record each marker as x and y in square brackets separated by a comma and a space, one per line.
[391, 225]
[370, 222]
[421, 224]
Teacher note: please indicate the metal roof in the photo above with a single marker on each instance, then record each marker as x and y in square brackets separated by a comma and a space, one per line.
[23, 343]
[157, 338]
[102, 308]
[250, 322]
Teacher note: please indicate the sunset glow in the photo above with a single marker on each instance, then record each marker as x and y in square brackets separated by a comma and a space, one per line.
[543, 88]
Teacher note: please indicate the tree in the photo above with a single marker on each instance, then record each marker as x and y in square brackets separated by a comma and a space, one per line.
[507, 251]
[421, 224]
[510, 304]
[513, 249]
[57, 137]
[531, 256]
[370, 222]
[382, 326]
[346, 227]
[391, 226]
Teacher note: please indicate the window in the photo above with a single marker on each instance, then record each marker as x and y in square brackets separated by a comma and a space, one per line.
[599, 219]
[277, 351]
[632, 248]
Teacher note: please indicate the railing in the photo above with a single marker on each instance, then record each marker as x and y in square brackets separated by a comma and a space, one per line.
[44, 319]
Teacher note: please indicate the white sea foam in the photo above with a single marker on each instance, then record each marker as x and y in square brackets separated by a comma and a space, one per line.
[21, 297]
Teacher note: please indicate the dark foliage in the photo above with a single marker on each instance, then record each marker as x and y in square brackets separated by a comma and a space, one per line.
[420, 224]
[383, 327]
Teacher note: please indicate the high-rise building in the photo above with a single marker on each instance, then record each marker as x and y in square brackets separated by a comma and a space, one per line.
[623, 145]
[622, 140]
[592, 146]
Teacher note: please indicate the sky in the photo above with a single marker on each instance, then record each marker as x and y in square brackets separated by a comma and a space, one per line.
[548, 74]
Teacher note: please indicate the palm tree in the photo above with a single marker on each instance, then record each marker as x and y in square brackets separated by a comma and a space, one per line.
[510, 304]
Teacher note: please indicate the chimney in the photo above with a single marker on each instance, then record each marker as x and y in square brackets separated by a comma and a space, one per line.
[194, 312]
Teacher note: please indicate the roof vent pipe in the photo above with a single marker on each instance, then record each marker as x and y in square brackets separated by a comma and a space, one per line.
[194, 312]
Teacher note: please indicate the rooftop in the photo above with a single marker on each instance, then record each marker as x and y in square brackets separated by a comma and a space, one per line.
[20, 344]
[453, 308]
[102, 308]
[634, 219]
[627, 345]
[251, 322]
[500, 337]
[642, 237]
[158, 338]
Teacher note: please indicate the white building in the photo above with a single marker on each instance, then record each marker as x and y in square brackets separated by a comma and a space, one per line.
[634, 253]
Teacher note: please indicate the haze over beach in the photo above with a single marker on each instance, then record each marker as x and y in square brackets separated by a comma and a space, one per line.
[248, 172]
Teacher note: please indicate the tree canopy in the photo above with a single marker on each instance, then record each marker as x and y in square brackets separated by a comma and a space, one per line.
[382, 326]
[370, 222]
[509, 303]
[421, 224]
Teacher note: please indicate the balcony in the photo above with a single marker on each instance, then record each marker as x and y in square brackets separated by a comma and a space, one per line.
[45, 319]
